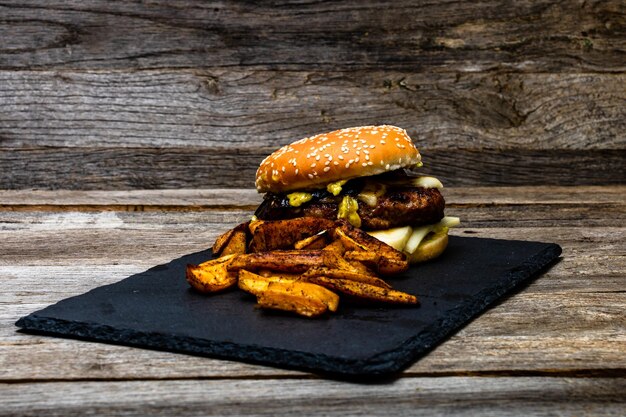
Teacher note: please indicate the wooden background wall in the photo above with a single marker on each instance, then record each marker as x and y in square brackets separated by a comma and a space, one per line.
[168, 94]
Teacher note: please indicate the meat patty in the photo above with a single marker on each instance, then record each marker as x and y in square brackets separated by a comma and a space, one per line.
[398, 207]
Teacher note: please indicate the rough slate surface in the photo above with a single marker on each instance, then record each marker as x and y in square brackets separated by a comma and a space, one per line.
[157, 309]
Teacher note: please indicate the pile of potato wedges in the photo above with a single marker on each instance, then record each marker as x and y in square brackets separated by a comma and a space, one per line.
[302, 265]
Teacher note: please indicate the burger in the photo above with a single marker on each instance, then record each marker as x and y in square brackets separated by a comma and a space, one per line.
[368, 176]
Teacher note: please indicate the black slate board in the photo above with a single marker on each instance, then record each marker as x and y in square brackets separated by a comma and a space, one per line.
[156, 309]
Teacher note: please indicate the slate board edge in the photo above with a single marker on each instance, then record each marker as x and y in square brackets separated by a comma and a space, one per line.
[382, 364]
[417, 346]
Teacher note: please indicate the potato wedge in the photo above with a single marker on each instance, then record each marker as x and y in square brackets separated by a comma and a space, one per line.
[317, 241]
[362, 256]
[254, 224]
[334, 260]
[284, 275]
[336, 246]
[236, 245]
[212, 276]
[292, 261]
[391, 261]
[348, 242]
[362, 268]
[224, 239]
[221, 241]
[365, 291]
[283, 234]
[259, 285]
[347, 275]
[278, 300]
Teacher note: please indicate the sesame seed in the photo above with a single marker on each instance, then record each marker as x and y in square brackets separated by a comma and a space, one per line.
[297, 170]
[364, 164]
[348, 165]
[372, 146]
[357, 159]
[382, 142]
[365, 151]
[326, 169]
[310, 176]
[283, 169]
[340, 157]
[327, 163]
[370, 163]
[317, 158]
[335, 163]
[387, 166]
[367, 157]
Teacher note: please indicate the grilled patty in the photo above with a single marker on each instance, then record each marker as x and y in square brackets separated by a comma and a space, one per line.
[398, 207]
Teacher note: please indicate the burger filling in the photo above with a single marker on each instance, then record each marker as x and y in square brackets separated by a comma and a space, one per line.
[379, 202]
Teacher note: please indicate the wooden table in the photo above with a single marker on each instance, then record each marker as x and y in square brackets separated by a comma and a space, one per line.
[557, 347]
[122, 124]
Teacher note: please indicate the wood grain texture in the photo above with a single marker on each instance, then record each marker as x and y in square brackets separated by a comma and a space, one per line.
[171, 129]
[409, 396]
[425, 36]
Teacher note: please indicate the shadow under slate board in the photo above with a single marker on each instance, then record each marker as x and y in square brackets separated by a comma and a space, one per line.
[156, 309]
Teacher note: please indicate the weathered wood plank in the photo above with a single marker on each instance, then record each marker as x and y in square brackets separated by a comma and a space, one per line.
[124, 168]
[257, 111]
[204, 199]
[154, 129]
[407, 396]
[427, 36]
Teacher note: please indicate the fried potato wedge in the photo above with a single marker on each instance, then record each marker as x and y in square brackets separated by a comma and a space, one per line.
[278, 300]
[317, 241]
[236, 245]
[334, 260]
[292, 261]
[259, 286]
[224, 239]
[221, 241]
[279, 274]
[254, 224]
[362, 256]
[283, 234]
[361, 268]
[212, 276]
[346, 275]
[365, 291]
[336, 246]
[349, 243]
[390, 262]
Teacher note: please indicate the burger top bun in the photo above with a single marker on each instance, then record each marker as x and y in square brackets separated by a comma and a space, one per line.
[339, 155]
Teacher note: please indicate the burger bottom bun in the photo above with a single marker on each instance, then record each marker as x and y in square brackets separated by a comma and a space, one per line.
[431, 247]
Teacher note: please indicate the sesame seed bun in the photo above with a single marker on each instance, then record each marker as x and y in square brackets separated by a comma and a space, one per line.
[339, 155]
